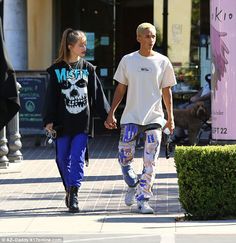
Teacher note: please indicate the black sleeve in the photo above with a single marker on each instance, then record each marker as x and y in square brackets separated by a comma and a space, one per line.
[51, 100]
[100, 102]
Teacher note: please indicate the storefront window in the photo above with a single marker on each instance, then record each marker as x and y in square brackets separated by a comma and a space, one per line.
[195, 33]
[110, 26]
[188, 74]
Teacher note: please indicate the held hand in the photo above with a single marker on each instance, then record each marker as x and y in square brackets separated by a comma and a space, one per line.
[110, 122]
[49, 127]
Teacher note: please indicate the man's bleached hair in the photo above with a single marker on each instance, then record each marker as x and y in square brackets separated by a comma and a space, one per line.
[143, 27]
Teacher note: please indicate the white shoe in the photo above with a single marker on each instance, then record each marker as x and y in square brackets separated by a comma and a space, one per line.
[144, 207]
[130, 196]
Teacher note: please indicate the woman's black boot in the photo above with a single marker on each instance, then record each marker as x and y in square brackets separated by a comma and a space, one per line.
[73, 199]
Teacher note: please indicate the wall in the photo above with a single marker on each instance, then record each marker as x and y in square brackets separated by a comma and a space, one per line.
[40, 33]
[15, 32]
[179, 28]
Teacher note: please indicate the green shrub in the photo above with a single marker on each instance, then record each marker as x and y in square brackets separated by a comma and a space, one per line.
[207, 180]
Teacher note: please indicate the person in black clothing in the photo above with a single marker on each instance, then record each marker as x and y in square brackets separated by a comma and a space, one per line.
[73, 92]
[9, 96]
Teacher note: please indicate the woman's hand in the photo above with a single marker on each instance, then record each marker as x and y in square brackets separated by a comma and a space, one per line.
[49, 127]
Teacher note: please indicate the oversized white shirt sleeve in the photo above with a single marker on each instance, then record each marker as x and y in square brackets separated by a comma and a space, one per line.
[120, 74]
[168, 76]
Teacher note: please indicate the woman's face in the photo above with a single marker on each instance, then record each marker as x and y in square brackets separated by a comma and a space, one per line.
[79, 48]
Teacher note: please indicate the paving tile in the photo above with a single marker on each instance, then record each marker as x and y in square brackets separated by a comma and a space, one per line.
[32, 194]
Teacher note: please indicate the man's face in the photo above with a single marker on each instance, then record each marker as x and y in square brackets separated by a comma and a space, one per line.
[147, 39]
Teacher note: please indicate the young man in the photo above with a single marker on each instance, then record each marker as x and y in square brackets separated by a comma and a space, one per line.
[147, 76]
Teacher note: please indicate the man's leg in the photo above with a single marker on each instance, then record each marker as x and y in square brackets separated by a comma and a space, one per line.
[126, 154]
[151, 152]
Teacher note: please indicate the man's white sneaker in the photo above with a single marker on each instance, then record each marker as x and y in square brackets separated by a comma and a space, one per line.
[130, 196]
[144, 207]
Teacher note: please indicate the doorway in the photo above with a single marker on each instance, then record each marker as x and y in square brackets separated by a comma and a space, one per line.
[110, 26]
[129, 14]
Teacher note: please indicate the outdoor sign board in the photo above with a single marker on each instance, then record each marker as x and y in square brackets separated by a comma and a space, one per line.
[32, 93]
[223, 80]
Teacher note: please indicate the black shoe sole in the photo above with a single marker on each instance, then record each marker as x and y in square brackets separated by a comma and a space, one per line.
[74, 210]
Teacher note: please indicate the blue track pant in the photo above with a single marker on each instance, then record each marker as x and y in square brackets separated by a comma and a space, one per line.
[70, 158]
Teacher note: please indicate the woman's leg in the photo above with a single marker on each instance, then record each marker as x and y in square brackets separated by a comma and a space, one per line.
[76, 171]
[63, 147]
[78, 149]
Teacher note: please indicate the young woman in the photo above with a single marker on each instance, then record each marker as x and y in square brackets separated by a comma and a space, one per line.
[72, 90]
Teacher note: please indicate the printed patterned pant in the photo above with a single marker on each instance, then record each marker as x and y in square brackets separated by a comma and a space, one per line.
[128, 136]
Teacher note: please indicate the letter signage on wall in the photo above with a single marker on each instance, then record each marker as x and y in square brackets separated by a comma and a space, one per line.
[223, 45]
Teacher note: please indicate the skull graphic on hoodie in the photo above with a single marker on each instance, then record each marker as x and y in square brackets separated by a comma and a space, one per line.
[74, 89]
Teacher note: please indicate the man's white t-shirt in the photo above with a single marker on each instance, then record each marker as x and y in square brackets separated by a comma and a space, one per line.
[145, 78]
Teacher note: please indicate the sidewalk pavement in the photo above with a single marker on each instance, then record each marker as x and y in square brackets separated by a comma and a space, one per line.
[32, 198]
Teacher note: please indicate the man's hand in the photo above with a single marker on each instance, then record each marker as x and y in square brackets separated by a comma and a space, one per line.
[170, 125]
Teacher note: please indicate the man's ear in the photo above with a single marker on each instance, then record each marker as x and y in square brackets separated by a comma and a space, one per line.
[138, 38]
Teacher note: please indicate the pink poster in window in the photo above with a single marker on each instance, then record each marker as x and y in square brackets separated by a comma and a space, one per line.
[223, 83]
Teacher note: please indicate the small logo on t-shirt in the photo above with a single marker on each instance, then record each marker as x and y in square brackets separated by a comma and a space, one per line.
[144, 69]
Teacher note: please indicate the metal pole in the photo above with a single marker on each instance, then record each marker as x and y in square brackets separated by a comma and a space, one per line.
[1, 11]
[165, 27]
[114, 38]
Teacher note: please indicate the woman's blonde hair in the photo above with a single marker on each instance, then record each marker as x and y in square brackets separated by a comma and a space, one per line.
[143, 27]
[69, 37]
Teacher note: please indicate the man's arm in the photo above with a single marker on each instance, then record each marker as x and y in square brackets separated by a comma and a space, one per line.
[197, 96]
[120, 91]
[201, 98]
[168, 101]
[205, 97]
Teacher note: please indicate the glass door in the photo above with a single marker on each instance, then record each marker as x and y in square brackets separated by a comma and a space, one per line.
[129, 14]
[110, 26]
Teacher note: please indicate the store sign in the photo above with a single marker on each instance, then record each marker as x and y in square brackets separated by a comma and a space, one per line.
[32, 93]
[223, 83]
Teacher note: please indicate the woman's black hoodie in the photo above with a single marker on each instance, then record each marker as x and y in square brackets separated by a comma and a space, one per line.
[74, 93]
